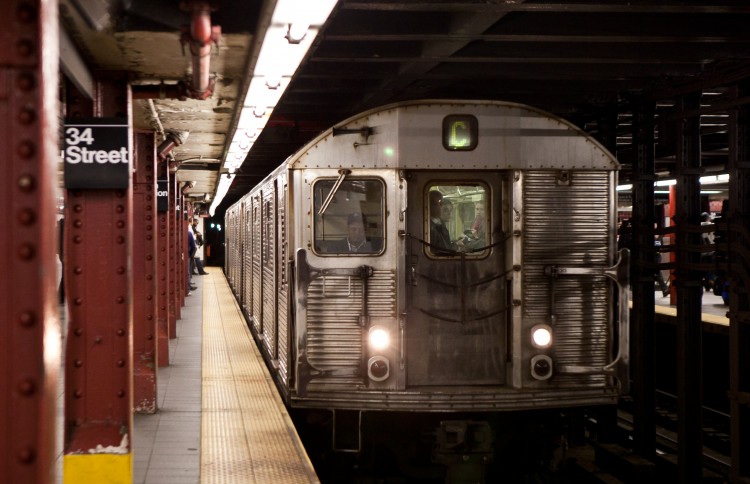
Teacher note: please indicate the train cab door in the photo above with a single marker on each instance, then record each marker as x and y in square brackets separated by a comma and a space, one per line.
[456, 322]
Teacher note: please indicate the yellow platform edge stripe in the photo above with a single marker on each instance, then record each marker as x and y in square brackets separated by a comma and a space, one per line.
[672, 312]
[236, 446]
[98, 468]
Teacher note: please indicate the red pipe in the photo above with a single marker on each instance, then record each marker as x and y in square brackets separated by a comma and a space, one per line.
[200, 37]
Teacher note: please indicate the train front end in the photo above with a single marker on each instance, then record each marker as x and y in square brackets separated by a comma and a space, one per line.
[456, 257]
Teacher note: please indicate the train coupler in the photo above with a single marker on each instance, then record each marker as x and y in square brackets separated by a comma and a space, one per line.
[465, 447]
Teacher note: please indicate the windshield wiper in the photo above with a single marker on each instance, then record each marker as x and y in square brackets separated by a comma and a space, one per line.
[342, 175]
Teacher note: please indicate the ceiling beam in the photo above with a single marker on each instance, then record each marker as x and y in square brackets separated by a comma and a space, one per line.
[533, 38]
[502, 8]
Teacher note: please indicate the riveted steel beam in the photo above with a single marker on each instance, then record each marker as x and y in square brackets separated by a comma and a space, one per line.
[738, 235]
[175, 294]
[642, 275]
[165, 257]
[144, 258]
[689, 292]
[30, 328]
[98, 285]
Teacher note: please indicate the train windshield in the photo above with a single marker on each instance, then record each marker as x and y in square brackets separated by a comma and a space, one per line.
[351, 222]
[457, 219]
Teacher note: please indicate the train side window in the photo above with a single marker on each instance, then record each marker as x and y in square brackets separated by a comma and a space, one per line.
[351, 221]
[456, 219]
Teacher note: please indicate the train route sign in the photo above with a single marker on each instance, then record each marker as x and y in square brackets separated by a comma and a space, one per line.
[96, 152]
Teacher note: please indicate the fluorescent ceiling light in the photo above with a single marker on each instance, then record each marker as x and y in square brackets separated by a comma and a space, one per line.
[705, 180]
[280, 55]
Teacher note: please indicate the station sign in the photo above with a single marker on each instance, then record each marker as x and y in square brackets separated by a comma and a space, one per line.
[96, 153]
[162, 195]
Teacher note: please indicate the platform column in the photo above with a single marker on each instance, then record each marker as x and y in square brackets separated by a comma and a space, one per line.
[29, 324]
[689, 292]
[98, 284]
[144, 273]
[165, 312]
[175, 298]
[642, 275]
[738, 167]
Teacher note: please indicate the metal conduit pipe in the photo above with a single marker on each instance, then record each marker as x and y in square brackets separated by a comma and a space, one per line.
[200, 36]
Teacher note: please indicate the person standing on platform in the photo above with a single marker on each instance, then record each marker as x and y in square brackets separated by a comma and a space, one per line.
[197, 263]
[657, 259]
[192, 249]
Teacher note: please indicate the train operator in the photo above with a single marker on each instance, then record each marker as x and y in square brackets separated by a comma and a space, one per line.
[355, 240]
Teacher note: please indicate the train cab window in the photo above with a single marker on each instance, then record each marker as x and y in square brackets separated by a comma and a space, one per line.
[457, 219]
[349, 216]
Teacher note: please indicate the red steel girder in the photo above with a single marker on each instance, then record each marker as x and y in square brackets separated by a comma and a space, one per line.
[98, 285]
[144, 272]
[165, 312]
[175, 289]
[30, 326]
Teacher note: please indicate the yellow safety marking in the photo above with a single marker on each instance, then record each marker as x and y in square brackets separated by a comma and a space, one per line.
[247, 435]
[99, 468]
[672, 312]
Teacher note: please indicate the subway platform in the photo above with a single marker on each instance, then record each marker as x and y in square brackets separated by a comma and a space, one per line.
[219, 418]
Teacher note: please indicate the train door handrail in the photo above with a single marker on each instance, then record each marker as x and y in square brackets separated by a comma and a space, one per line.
[620, 274]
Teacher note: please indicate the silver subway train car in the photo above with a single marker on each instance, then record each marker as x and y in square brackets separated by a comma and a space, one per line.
[437, 256]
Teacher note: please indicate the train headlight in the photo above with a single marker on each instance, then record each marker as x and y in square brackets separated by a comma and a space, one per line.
[379, 338]
[541, 336]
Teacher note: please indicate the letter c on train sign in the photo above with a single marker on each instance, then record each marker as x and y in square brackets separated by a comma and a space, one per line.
[460, 132]
[96, 152]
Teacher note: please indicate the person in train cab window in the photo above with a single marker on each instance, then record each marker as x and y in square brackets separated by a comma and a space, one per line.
[477, 226]
[355, 240]
[476, 236]
[441, 210]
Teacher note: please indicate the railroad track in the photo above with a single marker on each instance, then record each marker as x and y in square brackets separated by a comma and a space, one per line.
[716, 433]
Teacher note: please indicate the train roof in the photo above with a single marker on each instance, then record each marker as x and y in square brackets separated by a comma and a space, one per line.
[409, 135]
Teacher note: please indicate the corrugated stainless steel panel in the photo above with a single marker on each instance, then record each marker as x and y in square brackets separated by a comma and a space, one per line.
[282, 320]
[268, 242]
[568, 224]
[246, 257]
[256, 255]
[334, 336]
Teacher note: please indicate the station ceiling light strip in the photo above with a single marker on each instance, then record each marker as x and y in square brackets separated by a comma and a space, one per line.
[292, 30]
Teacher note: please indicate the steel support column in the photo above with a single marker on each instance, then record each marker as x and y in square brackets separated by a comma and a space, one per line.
[144, 273]
[98, 284]
[642, 275]
[29, 327]
[165, 258]
[689, 346]
[175, 294]
[739, 302]
[606, 415]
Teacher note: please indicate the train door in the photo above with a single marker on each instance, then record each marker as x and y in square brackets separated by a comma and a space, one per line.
[456, 311]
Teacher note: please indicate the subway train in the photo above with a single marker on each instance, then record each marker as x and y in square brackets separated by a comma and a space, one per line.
[444, 257]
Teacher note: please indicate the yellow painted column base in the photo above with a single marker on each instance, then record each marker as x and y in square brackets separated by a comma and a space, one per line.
[98, 468]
